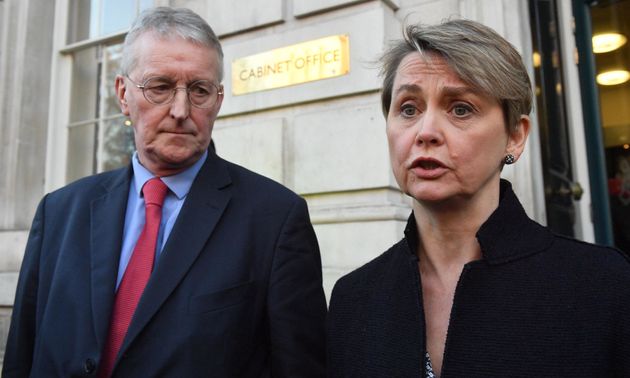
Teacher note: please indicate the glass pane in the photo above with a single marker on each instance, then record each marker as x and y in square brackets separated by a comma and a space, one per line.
[81, 151]
[145, 4]
[611, 45]
[117, 16]
[84, 86]
[118, 144]
[80, 15]
[90, 19]
[111, 65]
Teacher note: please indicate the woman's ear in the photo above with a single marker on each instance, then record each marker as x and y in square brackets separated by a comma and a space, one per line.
[518, 137]
[121, 93]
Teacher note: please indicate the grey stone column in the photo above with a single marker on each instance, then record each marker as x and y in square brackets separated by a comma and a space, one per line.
[26, 29]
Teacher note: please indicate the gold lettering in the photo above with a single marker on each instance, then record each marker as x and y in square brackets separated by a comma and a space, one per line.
[299, 63]
[303, 62]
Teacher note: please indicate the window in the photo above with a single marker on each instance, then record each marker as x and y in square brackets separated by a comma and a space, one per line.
[99, 138]
[98, 18]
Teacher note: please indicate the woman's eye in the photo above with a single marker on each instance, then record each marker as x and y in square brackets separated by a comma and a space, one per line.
[408, 110]
[461, 110]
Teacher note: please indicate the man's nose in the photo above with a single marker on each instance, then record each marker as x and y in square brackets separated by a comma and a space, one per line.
[180, 107]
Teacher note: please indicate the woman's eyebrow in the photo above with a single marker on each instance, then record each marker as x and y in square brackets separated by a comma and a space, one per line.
[414, 88]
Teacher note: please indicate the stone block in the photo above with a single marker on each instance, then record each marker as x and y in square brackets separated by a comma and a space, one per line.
[229, 16]
[303, 8]
[359, 206]
[346, 246]
[488, 12]
[340, 149]
[258, 146]
[5, 322]
[12, 244]
[368, 31]
[429, 12]
[198, 6]
[8, 284]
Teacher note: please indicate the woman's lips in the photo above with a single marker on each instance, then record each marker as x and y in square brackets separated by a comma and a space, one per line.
[428, 168]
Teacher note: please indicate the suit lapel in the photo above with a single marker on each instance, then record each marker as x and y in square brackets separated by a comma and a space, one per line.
[202, 209]
[107, 220]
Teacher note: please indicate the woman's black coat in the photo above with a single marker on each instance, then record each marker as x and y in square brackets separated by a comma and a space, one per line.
[536, 305]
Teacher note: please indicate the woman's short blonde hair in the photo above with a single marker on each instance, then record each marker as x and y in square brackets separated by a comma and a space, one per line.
[476, 53]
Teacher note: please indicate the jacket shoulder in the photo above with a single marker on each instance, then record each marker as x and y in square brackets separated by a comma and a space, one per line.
[254, 182]
[88, 184]
[592, 257]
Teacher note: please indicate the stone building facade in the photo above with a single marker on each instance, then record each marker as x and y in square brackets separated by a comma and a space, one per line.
[325, 139]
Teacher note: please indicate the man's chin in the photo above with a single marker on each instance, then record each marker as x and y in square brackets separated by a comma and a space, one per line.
[171, 162]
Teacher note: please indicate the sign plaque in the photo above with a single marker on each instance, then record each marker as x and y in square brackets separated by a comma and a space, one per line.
[300, 63]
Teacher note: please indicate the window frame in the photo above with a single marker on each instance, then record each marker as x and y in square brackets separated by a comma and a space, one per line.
[59, 123]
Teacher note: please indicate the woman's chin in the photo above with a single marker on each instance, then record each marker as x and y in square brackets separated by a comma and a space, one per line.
[430, 192]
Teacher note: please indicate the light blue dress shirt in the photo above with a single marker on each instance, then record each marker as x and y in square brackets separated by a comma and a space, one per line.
[178, 185]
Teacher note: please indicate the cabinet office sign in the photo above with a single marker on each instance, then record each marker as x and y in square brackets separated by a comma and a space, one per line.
[308, 61]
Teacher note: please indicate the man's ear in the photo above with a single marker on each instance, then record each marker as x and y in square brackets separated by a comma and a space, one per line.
[518, 137]
[121, 93]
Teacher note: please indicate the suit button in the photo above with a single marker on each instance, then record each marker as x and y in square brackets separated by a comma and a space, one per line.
[89, 366]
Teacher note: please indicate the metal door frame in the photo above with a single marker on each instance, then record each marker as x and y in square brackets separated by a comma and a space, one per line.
[600, 206]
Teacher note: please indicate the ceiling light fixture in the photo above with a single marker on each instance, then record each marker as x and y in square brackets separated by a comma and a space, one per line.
[606, 42]
[613, 77]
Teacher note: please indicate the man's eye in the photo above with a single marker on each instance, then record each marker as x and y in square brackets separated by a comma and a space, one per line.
[160, 88]
[200, 90]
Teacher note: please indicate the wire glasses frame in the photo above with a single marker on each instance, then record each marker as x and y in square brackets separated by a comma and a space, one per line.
[201, 94]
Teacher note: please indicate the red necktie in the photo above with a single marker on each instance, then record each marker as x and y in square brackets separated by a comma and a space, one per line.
[136, 275]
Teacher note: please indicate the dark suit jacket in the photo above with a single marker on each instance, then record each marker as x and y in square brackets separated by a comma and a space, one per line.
[536, 305]
[237, 291]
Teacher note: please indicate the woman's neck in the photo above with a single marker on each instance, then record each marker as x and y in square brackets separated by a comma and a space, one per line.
[448, 233]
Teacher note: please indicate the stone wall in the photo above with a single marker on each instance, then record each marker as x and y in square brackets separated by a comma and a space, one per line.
[324, 139]
[25, 51]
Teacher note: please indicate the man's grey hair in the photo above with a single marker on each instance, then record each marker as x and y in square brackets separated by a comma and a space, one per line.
[166, 23]
[476, 53]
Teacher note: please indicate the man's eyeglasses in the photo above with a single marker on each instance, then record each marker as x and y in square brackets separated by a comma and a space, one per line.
[159, 91]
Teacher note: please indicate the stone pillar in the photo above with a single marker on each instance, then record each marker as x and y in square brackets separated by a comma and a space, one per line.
[25, 53]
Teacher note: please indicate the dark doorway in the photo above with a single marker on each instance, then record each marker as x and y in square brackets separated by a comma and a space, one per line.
[560, 190]
[611, 49]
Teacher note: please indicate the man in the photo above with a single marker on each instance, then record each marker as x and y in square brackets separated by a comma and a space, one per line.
[208, 271]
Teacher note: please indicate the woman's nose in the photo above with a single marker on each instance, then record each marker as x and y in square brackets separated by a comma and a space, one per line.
[429, 128]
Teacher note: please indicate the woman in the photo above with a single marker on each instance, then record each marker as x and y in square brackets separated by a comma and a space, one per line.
[475, 288]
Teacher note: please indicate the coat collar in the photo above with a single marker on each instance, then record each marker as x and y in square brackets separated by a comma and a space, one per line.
[107, 218]
[508, 234]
